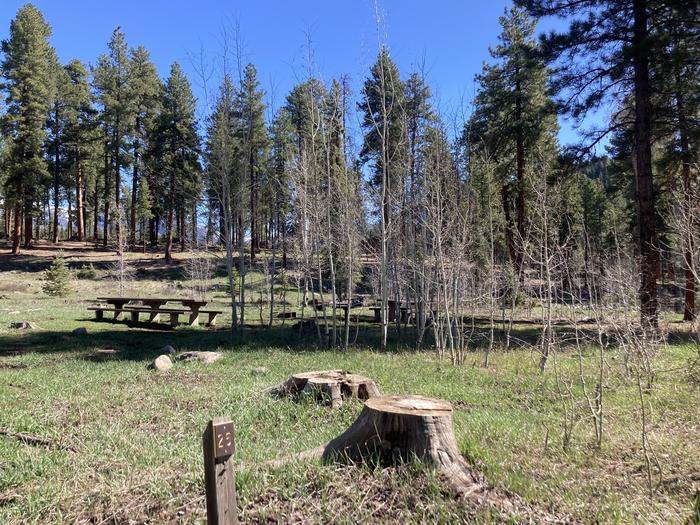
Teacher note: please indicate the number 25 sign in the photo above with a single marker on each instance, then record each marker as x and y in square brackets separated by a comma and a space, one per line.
[224, 444]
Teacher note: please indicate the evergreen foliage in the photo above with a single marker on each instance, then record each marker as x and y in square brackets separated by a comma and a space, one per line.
[57, 278]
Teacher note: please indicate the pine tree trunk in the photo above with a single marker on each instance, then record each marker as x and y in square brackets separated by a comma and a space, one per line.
[134, 189]
[56, 175]
[253, 210]
[105, 226]
[80, 216]
[17, 231]
[69, 223]
[95, 211]
[183, 227]
[152, 236]
[28, 222]
[171, 210]
[194, 225]
[643, 164]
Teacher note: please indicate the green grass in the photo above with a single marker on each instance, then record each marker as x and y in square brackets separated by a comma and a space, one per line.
[137, 434]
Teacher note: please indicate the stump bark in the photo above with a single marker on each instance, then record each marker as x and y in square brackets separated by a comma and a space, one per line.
[330, 386]
[396, 429]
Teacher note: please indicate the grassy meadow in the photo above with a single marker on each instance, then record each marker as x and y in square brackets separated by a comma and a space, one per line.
[125, 442]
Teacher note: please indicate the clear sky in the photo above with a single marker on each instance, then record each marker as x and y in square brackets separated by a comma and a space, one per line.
[447, 39]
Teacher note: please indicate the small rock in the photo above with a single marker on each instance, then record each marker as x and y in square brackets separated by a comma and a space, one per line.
[167, 349]
[24, 325]
[204, 357]
[259, 371]
[80, 331]
[161, 363]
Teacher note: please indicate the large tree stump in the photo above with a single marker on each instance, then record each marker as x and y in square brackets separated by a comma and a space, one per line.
[396, 429]
[331, 386]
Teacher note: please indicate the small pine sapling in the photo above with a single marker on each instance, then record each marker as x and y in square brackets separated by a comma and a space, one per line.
[57, 278]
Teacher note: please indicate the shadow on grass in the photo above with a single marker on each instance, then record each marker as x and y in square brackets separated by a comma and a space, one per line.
[139, 341]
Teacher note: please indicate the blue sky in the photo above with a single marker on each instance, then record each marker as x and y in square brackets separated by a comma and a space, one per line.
[447, 39]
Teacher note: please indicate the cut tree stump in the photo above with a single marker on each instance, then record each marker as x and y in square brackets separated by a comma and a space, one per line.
[398, 429]
[331, 386]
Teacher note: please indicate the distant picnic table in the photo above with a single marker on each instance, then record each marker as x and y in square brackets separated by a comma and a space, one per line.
[154, 308]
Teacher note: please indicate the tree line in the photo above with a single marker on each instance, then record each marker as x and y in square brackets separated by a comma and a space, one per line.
[478, 219]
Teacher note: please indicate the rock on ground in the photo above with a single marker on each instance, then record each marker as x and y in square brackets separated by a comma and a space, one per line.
[80, 331]
[204, 357]
[161, 363]
[167, 349]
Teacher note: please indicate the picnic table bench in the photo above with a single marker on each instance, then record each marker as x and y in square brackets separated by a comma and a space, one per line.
[153, 306]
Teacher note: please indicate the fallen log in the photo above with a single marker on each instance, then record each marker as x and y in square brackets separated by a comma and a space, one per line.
[329, 386]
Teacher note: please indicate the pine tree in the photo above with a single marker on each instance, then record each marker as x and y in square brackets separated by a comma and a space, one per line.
[82, 141]
[57, 278]
[112, 83]
[26, 71]
[677, 102]
[383, 120]
[605, 56]
[174, 147]
[144, 206]
[252, 134]
[57, 123]
[145, 91]
[383, 148]
[281, 160]
[513, 121]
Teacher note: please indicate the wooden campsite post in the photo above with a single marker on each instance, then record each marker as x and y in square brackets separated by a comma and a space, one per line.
[219, 479]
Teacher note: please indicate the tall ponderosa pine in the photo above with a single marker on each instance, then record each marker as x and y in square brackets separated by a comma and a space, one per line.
[59, 114]
[280, 164]
[145, 91]
[174, 148]
[252, 134]
[514, 121]
[677, 102]
[111, 80]
[82, 140]
[26, 70]
[607, 54]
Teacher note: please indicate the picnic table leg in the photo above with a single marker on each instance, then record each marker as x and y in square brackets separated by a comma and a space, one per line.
[154, 317]
[194, 318]
[99, 315]
[174, 318]
[134, 316]
[118, 309]
[377, 315]
[212, 319]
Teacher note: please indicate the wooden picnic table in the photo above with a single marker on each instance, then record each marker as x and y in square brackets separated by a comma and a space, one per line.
[154, 307]
[153, 302]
